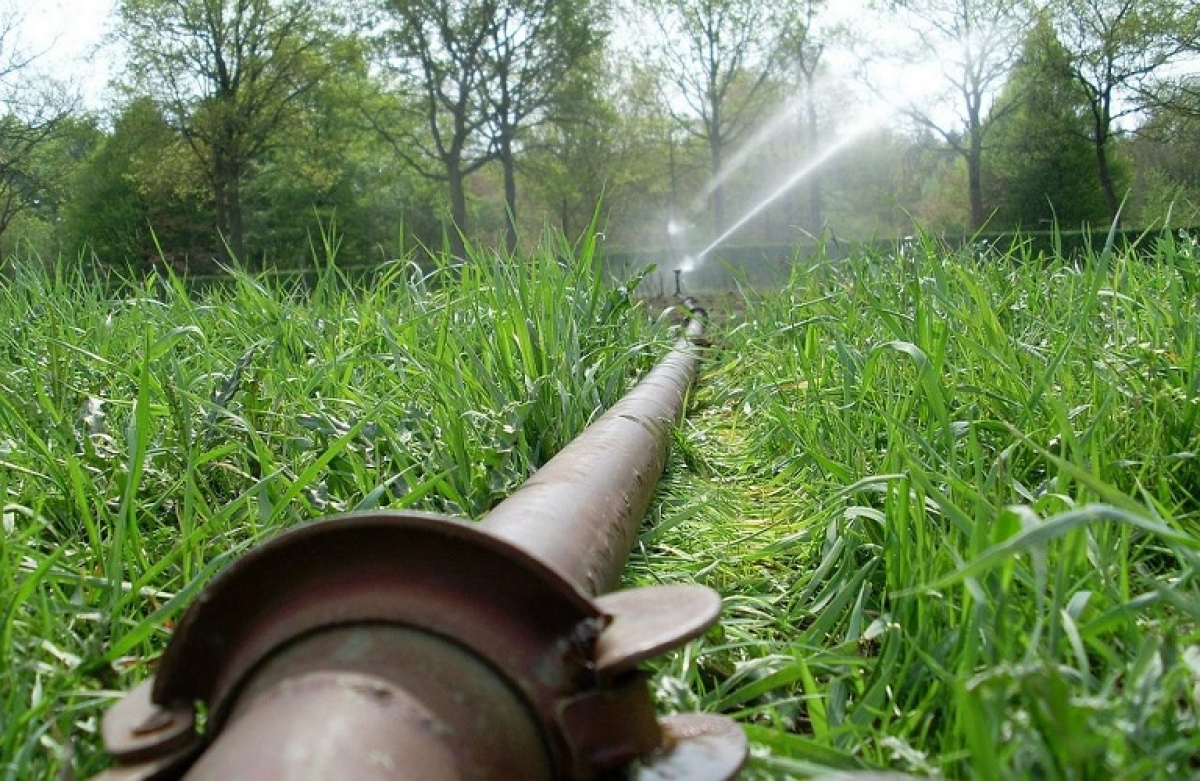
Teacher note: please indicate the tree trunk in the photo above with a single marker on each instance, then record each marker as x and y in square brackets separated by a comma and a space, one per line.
[717, 151]
[815, 201]
[237, 233]
[221, 202]
[226, 180]
[458, 208]
[674, 210]
[1107, 186]
[510, 192]
[975, 178]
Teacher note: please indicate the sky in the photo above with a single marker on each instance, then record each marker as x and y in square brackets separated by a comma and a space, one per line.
[71, 36]
[68, 35]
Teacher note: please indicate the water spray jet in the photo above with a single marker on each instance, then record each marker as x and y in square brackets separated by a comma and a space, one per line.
[855, 130]
[745, 151]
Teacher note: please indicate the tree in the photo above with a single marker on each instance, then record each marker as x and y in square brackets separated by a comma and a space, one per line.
[651, 165]
[1177, 90]
[337, 174]
[803, 49]
[571, 163]
[539, 55]
[1166, 152]
[974, 44]
[1117, 47]
[139, 198]
[888, 177]
[227, 74]
[717, 56]
[1040, 168]
[21, 142]
[470, 76]
[33, 107]
[435, 54]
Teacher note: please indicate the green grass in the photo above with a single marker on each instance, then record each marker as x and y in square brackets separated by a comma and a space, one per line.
[952, 502]
[148, 437]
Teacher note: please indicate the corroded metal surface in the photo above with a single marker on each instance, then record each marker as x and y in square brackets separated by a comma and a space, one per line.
[370, 702]
[409, 645]
[580, 512]
[647, 622]
[414, 569]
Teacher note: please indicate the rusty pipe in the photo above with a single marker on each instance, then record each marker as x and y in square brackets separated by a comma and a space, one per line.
[412, 645]
[580, 512]
[368, 701]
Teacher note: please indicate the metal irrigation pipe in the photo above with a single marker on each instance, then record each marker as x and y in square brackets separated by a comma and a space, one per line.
[390, 645]
[581, 511]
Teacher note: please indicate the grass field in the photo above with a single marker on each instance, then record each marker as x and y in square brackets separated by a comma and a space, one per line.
[952, 502]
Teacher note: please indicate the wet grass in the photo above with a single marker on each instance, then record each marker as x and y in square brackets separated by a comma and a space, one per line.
[951, 501]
